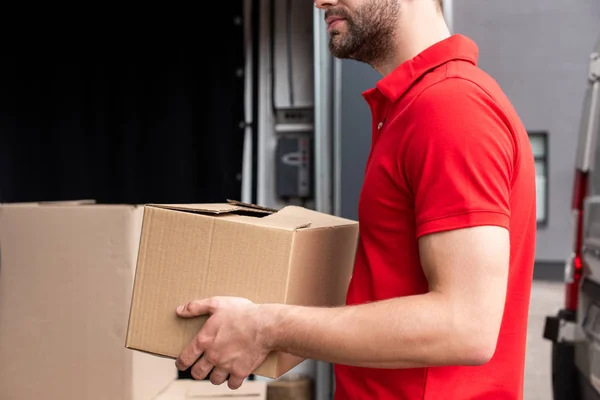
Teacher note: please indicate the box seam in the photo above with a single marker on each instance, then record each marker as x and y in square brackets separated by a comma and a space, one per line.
[210, 250]
[287, 282]
[135, 275]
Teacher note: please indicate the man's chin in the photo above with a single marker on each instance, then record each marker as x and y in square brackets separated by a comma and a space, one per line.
[335, 44]
[338, 52]
[343, 53]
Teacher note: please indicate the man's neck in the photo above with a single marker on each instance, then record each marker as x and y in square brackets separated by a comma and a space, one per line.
[420, 27]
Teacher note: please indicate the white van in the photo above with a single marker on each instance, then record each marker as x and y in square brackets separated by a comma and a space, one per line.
[575, 330]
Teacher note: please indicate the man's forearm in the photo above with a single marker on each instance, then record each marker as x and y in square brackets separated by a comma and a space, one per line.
[408, 332]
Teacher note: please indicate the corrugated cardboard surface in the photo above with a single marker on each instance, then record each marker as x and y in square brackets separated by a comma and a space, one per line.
[291, 387]
[66, 276]
[294, 256]
[195, 390]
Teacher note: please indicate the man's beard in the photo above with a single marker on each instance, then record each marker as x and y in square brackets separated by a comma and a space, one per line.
[370, 32]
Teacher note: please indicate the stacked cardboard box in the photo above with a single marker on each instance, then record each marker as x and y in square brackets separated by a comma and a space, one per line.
[187, 390]
[66, 276]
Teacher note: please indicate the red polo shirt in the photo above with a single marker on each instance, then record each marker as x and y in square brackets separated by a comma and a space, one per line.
[448, 152]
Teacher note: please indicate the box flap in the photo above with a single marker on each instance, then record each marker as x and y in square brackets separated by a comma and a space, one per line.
[247, 213]
[186, 389]
[248, 205]
[214, 208]
[317, 219]
[283, 221]
[295, 217]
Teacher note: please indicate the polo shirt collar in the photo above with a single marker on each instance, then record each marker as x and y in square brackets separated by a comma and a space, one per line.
[455, 47]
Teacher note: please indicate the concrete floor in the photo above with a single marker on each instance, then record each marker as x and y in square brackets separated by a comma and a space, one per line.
[546, 298]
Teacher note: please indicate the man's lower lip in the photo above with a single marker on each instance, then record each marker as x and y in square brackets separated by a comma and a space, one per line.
[334, 24]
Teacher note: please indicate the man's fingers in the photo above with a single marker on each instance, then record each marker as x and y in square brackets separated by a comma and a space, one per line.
[201, 369]
[190, 354]
[235, 382]
[218, 376]
[197, 308]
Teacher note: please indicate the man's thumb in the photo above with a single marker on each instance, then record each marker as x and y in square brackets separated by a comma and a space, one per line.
[193, 309]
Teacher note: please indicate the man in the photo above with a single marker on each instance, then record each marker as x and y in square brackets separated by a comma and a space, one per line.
[438, 303]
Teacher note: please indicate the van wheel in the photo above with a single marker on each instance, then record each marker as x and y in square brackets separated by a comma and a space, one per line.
[564, 373]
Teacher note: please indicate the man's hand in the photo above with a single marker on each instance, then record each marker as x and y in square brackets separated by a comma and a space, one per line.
[231, 343]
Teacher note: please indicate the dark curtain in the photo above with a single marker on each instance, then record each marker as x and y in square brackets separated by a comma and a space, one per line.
[126, 120]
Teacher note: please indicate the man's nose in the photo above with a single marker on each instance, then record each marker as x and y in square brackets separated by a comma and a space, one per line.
[324, 4]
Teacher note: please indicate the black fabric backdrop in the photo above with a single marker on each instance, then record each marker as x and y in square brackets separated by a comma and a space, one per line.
[127, 120]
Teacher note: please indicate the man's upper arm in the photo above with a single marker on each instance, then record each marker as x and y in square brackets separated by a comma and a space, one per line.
[468, 268]
[459, 166]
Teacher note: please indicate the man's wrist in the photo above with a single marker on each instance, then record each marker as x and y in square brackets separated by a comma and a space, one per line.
[271, 316]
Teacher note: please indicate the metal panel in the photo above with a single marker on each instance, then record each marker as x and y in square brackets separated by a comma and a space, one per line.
[337, 136]
[293, 54]
[247, 181]
[323, 114]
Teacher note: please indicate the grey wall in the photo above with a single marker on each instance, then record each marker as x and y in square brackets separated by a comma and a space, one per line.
[538, 51]
[356, 131]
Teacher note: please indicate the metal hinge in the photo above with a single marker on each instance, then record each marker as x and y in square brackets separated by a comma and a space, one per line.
[570, 269]
[570, 332]
[594, 67]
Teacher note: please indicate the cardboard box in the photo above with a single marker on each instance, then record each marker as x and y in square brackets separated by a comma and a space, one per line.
[291, 387]
[185, 389]
[66, 278]
[292, 256]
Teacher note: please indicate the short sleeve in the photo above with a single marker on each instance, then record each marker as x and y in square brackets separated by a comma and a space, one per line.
[458, 159]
